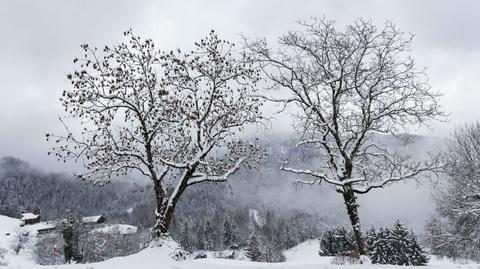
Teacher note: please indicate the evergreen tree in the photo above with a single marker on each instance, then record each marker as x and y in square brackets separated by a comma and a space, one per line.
[227, 234]
[185, 239]
[269, 225]
[71, 238]
[217, 229]
[200, 243]
[264, 248]
[270, 246]
[235, 233]
[253, 251]
[399, 241]
[370, 238]
[209, 237]
[337, 241]
[67, 233]
[416, 254]
[379, 246]
[397, 246]
[288, 241]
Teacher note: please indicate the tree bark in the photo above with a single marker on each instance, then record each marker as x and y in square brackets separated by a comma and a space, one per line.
[166, 203]
[352, 209]
[161, 223]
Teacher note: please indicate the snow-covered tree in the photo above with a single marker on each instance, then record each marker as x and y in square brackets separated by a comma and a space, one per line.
[185, 237]
[227, 234]
[264, 247]
[442, 240]
[209, 237]
[417, 256]
[253, 251]
[71, 247]
[337, 241]
[235, 233]
[18, 240]
[455, 232]
[378, 245]
[397, 246]
[399, 242]
[71, 229]
[288, 241]
[200, 243]
[405, 248]
[271, 248]
[173, 117]
[347, 86]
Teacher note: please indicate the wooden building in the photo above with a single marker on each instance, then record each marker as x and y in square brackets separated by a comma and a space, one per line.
[30, 218]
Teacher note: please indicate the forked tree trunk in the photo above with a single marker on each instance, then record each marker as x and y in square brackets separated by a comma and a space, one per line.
[163, 216]
[166, 203]
[161, 221]
[352, 210]
[161, 224]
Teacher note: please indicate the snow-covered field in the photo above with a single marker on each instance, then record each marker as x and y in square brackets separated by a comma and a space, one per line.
[303, 256]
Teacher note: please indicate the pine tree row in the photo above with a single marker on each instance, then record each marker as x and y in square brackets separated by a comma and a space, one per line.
[396, 245]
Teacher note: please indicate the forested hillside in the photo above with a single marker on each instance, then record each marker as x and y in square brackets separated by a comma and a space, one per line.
[292, 212]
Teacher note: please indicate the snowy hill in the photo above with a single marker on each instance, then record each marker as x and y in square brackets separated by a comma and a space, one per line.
[306, 252]
[7, 227]
[302, 256]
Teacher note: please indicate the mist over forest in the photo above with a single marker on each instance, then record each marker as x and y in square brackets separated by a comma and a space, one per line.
[264, 187]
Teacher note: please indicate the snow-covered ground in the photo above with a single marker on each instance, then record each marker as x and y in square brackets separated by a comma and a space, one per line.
[303, 256]
[306, 252]
[117, 229]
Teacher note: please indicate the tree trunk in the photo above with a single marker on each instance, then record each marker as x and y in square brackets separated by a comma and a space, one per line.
[352, 210]
[161, 221]
[166, 204]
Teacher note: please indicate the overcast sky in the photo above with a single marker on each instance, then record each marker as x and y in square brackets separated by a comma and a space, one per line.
[39, 39]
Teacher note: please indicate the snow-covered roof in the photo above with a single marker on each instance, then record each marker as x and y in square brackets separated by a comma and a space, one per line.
[43, 226]
[46, 225]
[91, 219]
[27, 216]
[117, 229]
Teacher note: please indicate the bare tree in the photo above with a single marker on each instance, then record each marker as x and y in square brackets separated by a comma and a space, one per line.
[173, 117]
[463, 169]
[348, 86]
[19, 239]
[456, 229]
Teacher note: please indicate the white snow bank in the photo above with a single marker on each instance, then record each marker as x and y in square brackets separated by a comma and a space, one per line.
[117, 229]
[153, 257]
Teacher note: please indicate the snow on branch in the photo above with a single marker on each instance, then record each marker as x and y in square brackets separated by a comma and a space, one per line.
[203, 177]
[412, 173]
[318, 176]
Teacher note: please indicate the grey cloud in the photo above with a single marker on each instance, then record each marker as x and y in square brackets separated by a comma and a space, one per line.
[40, 38]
